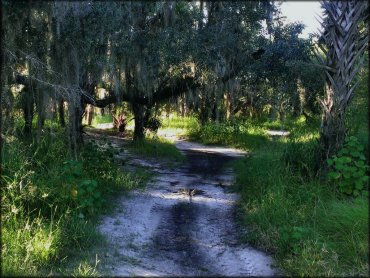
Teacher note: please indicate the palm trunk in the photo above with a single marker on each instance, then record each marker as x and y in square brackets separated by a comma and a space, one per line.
[333, 132]
[343, 46]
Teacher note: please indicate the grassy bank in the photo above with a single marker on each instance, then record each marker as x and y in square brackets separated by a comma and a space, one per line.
[156, 147]
[50, 204]
[302, 219]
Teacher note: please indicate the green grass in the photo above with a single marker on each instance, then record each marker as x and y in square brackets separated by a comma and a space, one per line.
[156, 147]
[177, 125]
[239, 134]
[176, 122]
[301, 219]
[100, 119]
[290, 211]
[50, 203]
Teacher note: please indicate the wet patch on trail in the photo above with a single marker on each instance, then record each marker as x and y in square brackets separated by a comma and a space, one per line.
[173, 237]
[205, 163]
[183, 223]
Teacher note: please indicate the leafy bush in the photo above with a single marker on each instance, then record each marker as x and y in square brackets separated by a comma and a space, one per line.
[348, 168]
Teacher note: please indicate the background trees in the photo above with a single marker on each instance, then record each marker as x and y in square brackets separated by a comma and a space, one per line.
[216, 59]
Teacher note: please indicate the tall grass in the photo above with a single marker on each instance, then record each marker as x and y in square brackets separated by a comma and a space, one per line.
[240, 133]
[156, 147]
[178, 125]
[50, 203]
[298, 216]
[291, 211]
[175, 121]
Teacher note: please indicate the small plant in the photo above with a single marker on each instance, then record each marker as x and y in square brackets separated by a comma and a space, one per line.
[88, 196]
[349, 168]
[292, 237]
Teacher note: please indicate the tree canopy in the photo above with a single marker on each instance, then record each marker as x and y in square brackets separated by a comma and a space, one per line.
[215, 56]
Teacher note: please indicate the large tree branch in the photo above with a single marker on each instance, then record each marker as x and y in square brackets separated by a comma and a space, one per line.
[164, 92]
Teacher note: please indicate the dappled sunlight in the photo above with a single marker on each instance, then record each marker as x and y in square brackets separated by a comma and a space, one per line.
[277, 132]
[171, 136]
[220, 199]
[182, 145]
[104, 126]
[183, 212]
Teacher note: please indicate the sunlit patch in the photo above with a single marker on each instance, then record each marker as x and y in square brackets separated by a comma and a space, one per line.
[277, 132]
[184, 145]
[218, 199]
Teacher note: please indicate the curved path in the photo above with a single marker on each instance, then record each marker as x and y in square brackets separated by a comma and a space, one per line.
[183, 223]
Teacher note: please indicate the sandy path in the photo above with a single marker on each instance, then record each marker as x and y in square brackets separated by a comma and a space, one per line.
[183, 223]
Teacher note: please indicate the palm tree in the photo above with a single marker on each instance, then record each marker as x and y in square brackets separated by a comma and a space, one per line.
[343, 41]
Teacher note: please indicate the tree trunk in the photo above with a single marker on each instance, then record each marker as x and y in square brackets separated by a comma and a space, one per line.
[79, 117]
[168, 110]
[333, 132]
[204, 111]
[297, 105]
[183, 106]
[89, 114]
[55, 109]
[229, 105]
[40, 112]
[28, 111]
[139, 114]
[62, 120]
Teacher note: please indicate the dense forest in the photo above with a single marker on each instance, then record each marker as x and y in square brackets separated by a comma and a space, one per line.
[217, 73]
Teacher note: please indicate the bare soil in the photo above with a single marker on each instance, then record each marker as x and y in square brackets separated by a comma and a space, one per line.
[183, 223]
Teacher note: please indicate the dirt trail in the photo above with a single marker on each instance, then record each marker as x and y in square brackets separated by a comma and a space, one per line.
[182, 224]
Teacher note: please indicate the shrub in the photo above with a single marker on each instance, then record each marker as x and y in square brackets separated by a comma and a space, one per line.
[348, 168]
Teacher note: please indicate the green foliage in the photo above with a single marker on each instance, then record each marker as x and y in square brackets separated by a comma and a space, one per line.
[50, 203]
[177, 124]
[358, 110]
[300, 221]
[101, 119]
[348, 168]
[87, 195]
[243, 134]
[157, 147]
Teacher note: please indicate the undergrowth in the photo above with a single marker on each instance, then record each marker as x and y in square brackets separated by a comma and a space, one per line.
[291, 211]
[101, 119]
[299, 218]
[156, 147]
[239, 133]
[50, 202]
[177, 122]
